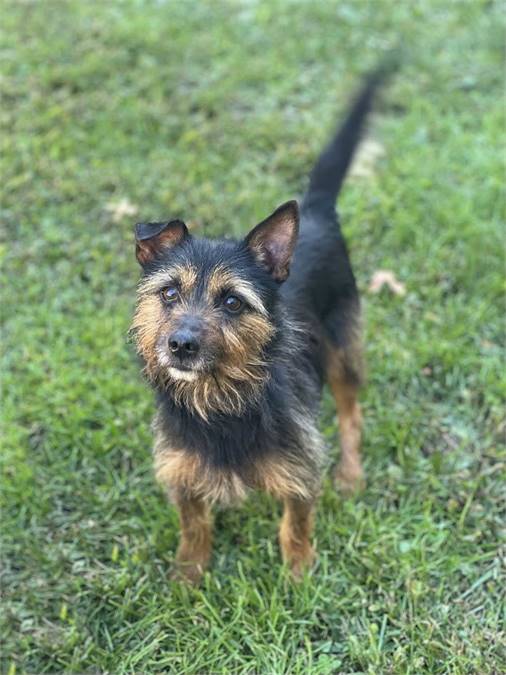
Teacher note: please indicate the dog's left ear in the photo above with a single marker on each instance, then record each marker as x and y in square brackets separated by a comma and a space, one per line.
[273, 240]
[151, 239]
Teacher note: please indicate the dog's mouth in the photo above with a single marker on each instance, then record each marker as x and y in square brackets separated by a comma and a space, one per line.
[186, 372]
[183, 373]
[182, 367]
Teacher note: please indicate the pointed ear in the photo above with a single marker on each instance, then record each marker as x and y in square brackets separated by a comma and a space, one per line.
[273, 240]
[153, 238]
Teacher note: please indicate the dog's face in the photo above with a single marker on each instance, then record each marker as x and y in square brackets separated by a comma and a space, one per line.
[205, 311]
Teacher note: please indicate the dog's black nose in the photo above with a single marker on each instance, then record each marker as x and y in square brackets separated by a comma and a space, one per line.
[184, 343]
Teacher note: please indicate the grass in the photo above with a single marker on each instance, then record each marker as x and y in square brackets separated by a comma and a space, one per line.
[214, 111]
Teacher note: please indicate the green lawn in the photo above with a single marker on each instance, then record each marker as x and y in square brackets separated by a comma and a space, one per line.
[214, 112]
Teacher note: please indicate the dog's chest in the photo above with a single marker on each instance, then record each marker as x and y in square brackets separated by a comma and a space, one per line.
[180, 470]
[222, 464]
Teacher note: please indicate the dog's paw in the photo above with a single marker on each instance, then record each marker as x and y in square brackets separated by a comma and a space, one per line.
[350, 479]
[187, 573]
[301, 564]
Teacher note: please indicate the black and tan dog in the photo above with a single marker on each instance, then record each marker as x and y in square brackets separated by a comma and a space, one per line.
[237, 351]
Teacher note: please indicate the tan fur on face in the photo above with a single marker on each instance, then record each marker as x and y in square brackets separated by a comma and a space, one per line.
[244, 342]
[239, 373]
[148, 320]
[222, 279]
[184, 275]
[239, 376]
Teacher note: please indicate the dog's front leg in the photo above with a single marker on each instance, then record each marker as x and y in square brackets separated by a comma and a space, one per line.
[195, 544]
[295, 535]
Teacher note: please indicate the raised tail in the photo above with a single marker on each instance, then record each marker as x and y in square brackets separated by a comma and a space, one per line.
[332, 166]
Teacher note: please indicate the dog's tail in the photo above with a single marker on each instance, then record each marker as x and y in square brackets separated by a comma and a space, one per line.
[332, 166]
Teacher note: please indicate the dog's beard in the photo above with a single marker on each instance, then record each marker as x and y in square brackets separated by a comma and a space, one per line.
[206, 391]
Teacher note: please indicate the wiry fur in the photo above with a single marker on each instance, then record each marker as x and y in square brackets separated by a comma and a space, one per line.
[234, 381]
[243, 415]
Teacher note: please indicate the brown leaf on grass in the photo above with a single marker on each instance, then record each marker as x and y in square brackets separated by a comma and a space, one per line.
[120, 209]
[386, 278]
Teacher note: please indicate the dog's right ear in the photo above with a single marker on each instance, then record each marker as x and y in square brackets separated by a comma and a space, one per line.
[151, 239]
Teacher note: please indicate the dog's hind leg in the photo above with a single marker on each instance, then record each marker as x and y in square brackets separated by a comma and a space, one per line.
[344, 376]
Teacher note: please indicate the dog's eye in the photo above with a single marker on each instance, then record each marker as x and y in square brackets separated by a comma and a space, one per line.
[169, 294]
[233, 303]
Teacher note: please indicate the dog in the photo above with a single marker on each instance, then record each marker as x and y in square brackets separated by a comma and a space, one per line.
[237, 339]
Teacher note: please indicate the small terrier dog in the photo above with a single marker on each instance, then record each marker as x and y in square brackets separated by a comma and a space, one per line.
[238, 351]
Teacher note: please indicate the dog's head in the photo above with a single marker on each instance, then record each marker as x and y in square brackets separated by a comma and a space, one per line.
[206, 309]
